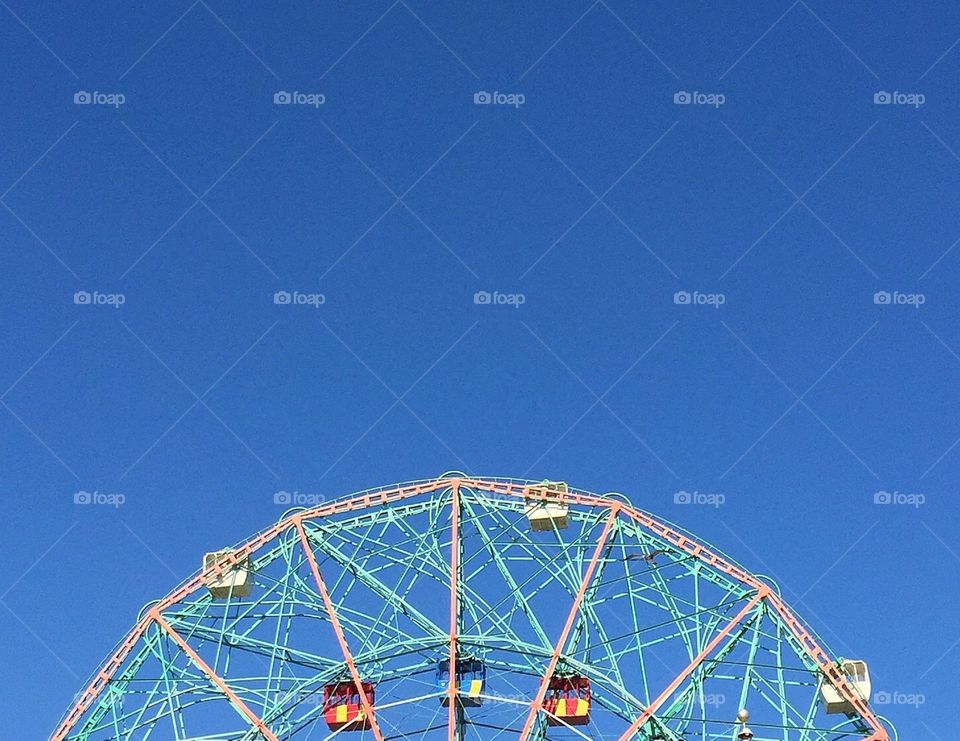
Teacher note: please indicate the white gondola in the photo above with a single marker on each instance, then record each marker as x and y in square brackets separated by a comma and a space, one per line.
[858, 676]
[236, 582]
[545, 514]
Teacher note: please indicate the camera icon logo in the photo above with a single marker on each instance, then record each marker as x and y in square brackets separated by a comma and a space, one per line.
[882, 698]
[882, 97]
[82, 497]
[282, 497]
[282, 97]
[281, 298]
[82, 97]
[681, 298]
[81, 297]
[482, 298]
[682, 497]
[682, 97]
[482, 97]
[882, 298]
[882, 497]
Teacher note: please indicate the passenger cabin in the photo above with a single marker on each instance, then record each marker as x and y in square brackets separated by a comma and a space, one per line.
[471, 679]
[235, 582]
[858, 676]
[567, 701]
[546, 514]
[343, 707]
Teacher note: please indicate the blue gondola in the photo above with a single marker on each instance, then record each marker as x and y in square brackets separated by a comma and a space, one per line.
[471, 679]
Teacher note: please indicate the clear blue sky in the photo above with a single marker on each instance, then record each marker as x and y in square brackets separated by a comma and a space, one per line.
[793, 202]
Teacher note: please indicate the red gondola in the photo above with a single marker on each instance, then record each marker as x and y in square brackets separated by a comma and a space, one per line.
[343, 708]
[568, 701]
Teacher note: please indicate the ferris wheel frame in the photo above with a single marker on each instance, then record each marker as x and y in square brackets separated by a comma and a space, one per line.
[756, 591]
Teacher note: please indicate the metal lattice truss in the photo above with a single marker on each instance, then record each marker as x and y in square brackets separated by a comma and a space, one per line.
[387, 585]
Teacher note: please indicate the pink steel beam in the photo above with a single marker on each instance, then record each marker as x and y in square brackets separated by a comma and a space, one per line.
[682, 676]
[568, 626]
[215, 678]
[341, 638]
[454, 611]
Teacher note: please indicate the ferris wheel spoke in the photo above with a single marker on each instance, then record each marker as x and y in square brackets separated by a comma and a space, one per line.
[668, 596]
[433, 552]
[410, 565]
[630, 704]
[604, 644]
[543, 576]
[370, 636]
[589, 619]
[278, 665]
[379, 588]
[694, 690]
[748, 669]
[338, 631]
[172, 699]
[454, 712]
[571, 617]
[680, 678]
[232, 696]
[514, 592]
[489, 622]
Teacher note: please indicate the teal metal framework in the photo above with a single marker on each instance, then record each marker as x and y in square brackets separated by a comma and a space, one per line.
[673, 638]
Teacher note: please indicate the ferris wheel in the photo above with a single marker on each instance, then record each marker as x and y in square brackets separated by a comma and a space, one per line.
[473, 608]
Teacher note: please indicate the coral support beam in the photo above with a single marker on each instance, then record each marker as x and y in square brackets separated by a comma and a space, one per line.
[239, 704]
[568, 626]
[338, 630]
[452, 688]
[691, 667]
